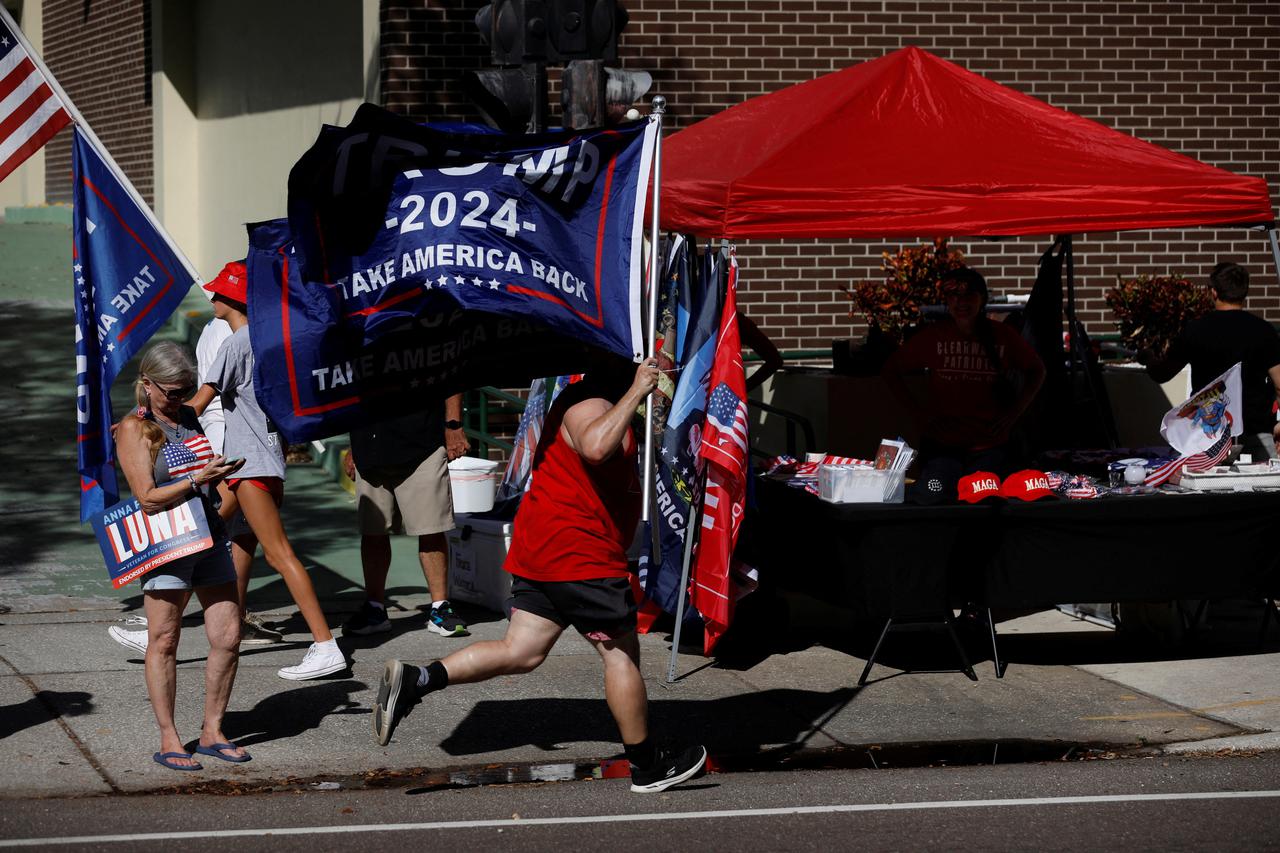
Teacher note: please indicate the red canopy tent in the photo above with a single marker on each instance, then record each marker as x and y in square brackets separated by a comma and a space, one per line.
[911, 145]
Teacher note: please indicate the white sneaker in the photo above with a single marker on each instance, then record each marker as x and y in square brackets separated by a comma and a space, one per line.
[134, 640]
[317, 663]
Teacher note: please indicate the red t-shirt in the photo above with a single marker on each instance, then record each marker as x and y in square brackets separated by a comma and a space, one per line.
[961, 402]
[577, 520]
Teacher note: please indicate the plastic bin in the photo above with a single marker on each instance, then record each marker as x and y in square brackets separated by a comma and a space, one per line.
[848, 484]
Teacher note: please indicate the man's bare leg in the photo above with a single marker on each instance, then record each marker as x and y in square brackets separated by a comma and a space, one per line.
[528, 640]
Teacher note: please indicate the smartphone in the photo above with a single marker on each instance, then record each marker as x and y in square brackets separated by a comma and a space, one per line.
[234, 461]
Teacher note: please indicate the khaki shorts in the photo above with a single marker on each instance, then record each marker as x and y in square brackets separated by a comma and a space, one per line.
[415, 502]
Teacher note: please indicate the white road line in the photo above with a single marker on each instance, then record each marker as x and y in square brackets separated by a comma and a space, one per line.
[508, 823]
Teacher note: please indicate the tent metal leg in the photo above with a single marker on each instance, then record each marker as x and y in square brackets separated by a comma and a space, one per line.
[1275, 249]
[945, 623]
[964, 658]
[1270, 612]
[995, 648]
[871, 661]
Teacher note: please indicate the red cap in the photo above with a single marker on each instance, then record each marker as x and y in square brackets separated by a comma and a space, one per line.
[1028, 485]
[231, 283]
[978, 486]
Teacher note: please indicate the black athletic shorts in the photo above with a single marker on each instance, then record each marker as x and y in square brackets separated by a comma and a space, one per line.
[602, 609]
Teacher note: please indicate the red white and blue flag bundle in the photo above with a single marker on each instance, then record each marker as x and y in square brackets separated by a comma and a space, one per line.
[417, 262]
[127, 281]
[692, 298]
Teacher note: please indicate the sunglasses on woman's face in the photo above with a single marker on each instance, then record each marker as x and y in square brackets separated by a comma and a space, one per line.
[177, 394]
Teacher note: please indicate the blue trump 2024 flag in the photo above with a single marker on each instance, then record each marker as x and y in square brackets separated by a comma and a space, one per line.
[127, 281]
[418, 262]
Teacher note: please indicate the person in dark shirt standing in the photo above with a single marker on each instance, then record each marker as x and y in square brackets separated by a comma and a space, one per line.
[982, 377]
[1213, 343]
[400, 467]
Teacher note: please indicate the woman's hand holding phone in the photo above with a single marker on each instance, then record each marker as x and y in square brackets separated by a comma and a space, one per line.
[218, 468]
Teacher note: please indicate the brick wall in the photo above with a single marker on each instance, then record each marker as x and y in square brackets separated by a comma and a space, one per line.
[99, 52]
[1200, 78]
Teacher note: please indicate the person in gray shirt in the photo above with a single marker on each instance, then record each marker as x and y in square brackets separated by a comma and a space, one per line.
[259, 484]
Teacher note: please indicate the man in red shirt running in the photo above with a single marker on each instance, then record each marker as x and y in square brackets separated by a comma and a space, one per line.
[568, 558]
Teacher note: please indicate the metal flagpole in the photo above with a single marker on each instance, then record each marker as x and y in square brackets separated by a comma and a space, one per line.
[691, 529]
[1275, 248]
[659, 106]
[97, 143]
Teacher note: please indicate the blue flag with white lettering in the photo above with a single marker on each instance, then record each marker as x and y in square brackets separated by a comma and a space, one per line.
[127, 281]
[417, 262]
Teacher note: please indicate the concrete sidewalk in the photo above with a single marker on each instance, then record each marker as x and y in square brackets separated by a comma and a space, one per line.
[74, 717]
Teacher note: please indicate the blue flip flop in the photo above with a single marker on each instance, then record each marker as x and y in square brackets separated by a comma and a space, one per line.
[215, 749]
[165, 759]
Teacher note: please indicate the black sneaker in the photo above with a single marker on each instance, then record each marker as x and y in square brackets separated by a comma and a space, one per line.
[669, 768]
[367, 620]
[445, 622]
[397, 693]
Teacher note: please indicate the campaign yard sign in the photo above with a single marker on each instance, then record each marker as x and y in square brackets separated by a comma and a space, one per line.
[134, 542]
[416, 262]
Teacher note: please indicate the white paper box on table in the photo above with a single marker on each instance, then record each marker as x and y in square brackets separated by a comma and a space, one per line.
[1223, 478]
[477, 550]
[847, 484]
[472, 483]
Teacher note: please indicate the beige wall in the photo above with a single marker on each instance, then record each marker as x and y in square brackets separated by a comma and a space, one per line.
[240, 90]
[25, 185]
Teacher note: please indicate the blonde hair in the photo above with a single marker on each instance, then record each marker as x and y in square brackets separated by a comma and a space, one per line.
[168, 363]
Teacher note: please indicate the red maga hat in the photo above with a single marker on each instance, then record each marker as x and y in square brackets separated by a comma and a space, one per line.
[231, 283]
[978, 487]
[1028, 485]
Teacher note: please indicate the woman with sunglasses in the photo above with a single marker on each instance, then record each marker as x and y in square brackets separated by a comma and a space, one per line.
[259, 485]
[167, 460]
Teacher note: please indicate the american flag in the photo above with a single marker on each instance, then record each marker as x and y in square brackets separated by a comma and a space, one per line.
[30, 112]
[727, 413]
[188, 457]
[1196, 463]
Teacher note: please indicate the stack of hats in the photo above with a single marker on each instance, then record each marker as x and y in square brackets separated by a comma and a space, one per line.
[940, 481]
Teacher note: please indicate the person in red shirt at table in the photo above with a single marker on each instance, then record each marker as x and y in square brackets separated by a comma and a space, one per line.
[568, 557]
[982, 378]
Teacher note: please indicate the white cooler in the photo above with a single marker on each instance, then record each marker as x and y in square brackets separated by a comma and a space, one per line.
[477, 549]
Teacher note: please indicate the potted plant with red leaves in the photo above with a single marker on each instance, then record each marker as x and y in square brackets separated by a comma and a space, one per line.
[1152, 309]
[893, 306]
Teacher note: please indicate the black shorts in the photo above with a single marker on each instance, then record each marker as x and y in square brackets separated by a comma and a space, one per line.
[602, 609]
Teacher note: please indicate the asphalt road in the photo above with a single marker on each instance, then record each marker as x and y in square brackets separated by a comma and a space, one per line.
[1216, 802]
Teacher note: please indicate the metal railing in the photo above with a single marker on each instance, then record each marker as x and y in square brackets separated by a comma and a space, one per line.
[478, 405]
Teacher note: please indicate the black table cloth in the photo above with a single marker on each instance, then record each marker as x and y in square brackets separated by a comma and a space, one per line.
[1148, 548]
[880, 559]
[899, 559]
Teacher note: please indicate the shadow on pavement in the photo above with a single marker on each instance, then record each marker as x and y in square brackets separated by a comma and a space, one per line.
[740, 724]
[40, 502]
[43, 707]
[291, 713]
